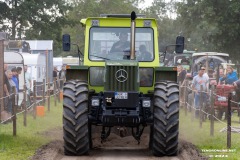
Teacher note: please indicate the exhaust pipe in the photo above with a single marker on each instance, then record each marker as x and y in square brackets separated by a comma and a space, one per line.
[132, 47]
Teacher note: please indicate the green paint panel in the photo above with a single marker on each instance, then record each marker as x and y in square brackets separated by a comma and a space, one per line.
[166, 73]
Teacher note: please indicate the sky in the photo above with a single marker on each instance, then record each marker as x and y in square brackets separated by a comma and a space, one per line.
[146, 3]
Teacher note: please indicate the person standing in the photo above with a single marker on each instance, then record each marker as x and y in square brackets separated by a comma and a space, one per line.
[6, 87]
[55, 76]
[28, 79]
[15, 79]
[19, 71]
[181, 74]
[62, 76]
[198, 81]
[12, 84]
[55, 73]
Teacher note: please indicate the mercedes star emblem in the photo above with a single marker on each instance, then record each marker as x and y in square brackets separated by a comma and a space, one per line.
[121, 75]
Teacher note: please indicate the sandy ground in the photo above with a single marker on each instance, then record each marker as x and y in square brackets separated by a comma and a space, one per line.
[115, 147]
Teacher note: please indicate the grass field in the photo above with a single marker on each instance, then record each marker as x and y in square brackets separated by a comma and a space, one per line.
[28, 138]
[211, 146]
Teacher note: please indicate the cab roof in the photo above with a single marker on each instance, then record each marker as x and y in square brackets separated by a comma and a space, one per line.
[118, 22]
[210, 54]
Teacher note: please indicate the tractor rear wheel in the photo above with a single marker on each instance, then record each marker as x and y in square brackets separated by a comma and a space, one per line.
[75, 118]
[164, 132]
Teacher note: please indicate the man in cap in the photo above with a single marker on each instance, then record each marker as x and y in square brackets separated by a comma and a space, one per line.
[198, 81]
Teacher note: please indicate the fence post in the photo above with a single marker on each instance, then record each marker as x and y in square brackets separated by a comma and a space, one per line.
[180, 94]
[201, 106]
[2, 77]
[186, 96]
[43, 92]
[14, 107]
[48, 94]
[24, 105]
[34, 99]
[193, 106]
[54, 92]
[229, 121]
[58, 88]
[212, 111]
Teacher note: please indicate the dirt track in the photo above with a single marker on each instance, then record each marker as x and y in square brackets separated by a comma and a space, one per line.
[115, 147]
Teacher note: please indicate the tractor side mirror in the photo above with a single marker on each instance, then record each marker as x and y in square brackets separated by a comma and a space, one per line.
[179, 44]
[66, 42]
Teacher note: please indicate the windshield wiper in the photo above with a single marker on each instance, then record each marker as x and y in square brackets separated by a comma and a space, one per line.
[99, 57]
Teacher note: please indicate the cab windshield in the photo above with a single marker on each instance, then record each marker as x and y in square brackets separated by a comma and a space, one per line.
[114, 44]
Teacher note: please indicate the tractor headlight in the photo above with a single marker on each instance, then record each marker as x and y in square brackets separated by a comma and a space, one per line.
[95, 102]
[146, 103]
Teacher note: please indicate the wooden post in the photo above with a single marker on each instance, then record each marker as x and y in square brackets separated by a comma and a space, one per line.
[24, 105]
[2, 76]
[43, 92]
[193, 105]
[58, 88]
[14, 108]
[229, 121]
[186, 97]
[201, 106]
[34, 99]
[47, 66]
[212, 111]
[54, 92]
[180, 93]
[48, 94]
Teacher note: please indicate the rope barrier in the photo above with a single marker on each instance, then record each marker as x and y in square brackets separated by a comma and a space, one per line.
[207, 114]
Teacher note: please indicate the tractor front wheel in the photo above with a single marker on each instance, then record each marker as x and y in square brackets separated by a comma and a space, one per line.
[164, 132]
[75, 118]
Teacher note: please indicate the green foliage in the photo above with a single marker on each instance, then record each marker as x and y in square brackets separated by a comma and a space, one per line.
[206, 25]
[168, 28]
[35, 19]
[216, 22]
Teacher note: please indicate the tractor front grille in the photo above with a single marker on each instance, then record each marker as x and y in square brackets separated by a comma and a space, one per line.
[121, 77]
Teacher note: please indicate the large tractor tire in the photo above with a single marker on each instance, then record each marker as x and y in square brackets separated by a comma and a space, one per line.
[75, 118]
[164, 132]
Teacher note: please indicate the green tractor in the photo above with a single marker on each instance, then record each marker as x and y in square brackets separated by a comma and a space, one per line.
[121, 87]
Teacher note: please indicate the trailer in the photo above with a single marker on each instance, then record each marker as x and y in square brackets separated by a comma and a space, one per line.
[58, 62]
[17, 61]
[44, 47]
[37, 68]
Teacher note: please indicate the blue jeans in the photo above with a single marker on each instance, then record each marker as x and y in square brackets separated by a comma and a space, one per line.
[197, 99]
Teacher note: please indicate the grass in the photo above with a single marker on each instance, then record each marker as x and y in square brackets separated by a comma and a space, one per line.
[211, 146]
[29, 138]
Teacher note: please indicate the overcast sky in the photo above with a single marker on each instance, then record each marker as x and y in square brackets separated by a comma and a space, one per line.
[147, 3]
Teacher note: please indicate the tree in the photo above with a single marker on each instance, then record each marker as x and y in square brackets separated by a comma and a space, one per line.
[34, 19]
[217, 22]
[168, 27]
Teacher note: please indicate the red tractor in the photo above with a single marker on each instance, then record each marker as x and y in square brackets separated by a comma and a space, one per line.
[221, 99]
